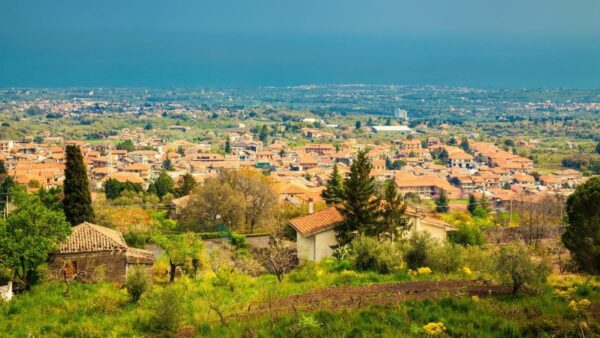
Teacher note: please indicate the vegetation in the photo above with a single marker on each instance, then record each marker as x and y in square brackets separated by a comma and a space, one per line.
[77, 199]
[334, 190]
[582, 236]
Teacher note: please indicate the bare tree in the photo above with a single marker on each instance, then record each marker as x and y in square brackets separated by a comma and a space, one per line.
[278, 256]
[539, 218]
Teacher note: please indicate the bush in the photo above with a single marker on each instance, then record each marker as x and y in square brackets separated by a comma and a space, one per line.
[417, 251]
[239, 241]
[467, 234]
[166, 311]
[446, 258]
[368, 254]
[137, 283]
[514, 264]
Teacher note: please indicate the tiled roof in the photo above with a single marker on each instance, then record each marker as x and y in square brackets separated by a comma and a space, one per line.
[318, 221]
[88, 237]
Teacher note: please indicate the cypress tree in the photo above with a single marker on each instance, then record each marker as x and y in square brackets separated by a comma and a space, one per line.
[394, 224]
[77, 202]
[442, 202]
[472, 203]
[334, 192]
[360, 205]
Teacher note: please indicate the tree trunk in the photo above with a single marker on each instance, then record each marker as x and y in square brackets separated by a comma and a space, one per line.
[172, 272]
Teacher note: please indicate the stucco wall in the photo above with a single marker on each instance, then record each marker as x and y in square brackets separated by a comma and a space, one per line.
[324, 241]
[305, 246]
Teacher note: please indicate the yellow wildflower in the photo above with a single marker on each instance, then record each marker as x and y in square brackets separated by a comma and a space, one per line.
[424, 271]
[475, 298]
[573, 305]
[434, 329]
[467, 271]
[584, 302]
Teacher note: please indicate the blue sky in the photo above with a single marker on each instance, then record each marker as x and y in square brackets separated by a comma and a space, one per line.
[155, 43]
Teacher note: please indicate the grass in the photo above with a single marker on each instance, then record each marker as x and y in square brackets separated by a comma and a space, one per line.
[104, 310]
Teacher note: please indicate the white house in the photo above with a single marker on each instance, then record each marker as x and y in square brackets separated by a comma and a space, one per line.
[315, 234]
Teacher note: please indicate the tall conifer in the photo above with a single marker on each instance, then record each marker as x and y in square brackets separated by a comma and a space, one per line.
[77, 202]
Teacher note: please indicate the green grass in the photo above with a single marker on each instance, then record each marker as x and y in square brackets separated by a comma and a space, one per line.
[104, 310]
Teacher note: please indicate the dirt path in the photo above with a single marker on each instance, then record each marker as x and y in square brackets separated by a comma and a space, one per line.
[336, 298]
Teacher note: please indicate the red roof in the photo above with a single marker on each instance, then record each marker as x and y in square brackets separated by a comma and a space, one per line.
[318, 221]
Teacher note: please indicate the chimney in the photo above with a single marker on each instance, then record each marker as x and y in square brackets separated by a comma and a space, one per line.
[310, 206]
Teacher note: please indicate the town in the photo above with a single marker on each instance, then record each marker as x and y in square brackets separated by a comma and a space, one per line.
[267, 211]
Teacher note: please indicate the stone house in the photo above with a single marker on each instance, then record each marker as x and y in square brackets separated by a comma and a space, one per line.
[93, 251]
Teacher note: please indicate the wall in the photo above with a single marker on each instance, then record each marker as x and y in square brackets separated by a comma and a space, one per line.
[324, 240]
[305, 246]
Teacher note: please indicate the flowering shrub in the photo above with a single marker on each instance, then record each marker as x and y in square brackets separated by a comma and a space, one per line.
[434, 329]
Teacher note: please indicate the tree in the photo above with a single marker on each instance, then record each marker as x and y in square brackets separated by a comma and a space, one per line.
[29, 234]
[444, 156]
[393, 222]
[582, 235]
[77, 202]
[228, 146]
[484, 203]
[514, 264]
[186, 185]
[452, 141]
[598, 148]
[51, 198]
[334, 190]
[278, 256]
[360, 205]
[472, 203]
[112, 189]
[214, 204]
[164, 185]
[7, 183]
[464, 144]
[441, 203]
[3, 170]
[167, 165]
[357, 125]
[148, 126]
[264, 134]
[258, 192]
[126, 145]
[181, 249]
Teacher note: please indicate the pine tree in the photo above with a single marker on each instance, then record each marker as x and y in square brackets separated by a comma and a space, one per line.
[264, 134]
[360, 204]
[484, 203]
[442, 202]
[334, 192]
[77, 202]
[393, 222]
[472, 203]
[168, 164]
[464, 144]
[228, 146]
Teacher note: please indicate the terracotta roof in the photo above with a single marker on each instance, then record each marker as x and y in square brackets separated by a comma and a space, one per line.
[88, 237]
[318, 221]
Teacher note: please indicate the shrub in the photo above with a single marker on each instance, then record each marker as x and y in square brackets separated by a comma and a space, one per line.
[417, 251]
[166, 311]
[137, 283]
[514, 264]
[239, 241]
[446, 258]
[368, 254]
[467, 234]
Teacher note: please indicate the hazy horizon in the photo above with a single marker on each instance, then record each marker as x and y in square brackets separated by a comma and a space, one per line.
[497, 44]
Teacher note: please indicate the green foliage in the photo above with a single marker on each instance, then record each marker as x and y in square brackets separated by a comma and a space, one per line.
[417, 251]
[359, 206]
[441, 203]
[464, 144]
[137, 283]
[29, 235]
[264, 134]
[6, 185]
[467, 234]
[182, 249]
[514, 264]
[334, 190]
[51, 198]
[164, 185]
[368, 254]
[166, 311]
[582, 235]
[394, 223]
[168, 165]
[77, 201]
[126, 145]
[238, 241]
[186, 185]
[472, 203]
[113, 188]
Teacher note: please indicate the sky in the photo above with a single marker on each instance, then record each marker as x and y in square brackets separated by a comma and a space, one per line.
[239, 43]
